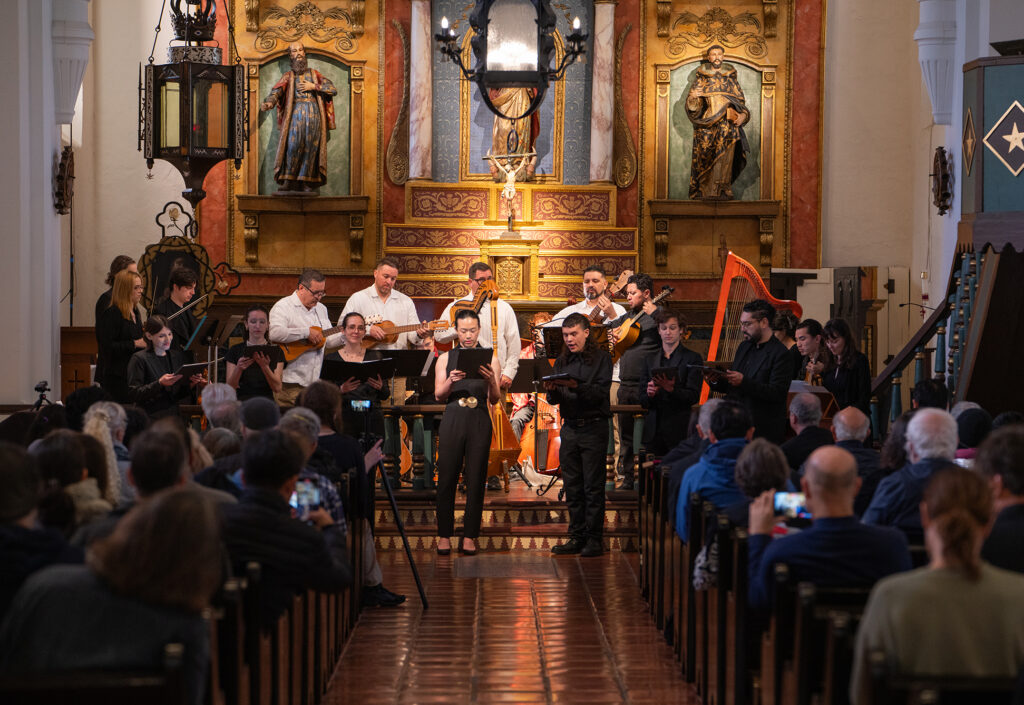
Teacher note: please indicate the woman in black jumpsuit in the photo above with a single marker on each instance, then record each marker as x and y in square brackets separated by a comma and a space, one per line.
[465, 436]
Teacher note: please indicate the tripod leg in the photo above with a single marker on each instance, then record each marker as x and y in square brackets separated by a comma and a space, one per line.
[405, 538]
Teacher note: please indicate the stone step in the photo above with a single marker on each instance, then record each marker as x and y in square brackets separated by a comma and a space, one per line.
[496, 538]
[519, 517]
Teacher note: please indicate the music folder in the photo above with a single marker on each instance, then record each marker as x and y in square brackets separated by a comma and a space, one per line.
[469, 360]
[340, 371]
[195, 368]
[669, 372]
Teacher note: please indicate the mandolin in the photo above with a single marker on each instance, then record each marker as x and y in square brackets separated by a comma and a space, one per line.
[391, 331]
[629, 331]
[294, 349]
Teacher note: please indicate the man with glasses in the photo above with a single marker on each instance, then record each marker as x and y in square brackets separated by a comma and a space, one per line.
[508, 345]
[301, 316]
[761, 372]
[383, 300]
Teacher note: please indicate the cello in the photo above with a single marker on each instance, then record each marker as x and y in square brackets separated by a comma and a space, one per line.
[541, 438]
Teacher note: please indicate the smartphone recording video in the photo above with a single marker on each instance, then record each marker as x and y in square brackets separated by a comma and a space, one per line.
[791, 505]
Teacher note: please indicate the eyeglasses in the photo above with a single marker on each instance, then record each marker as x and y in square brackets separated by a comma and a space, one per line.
[359, 328]
[316, 294]
[481, 280]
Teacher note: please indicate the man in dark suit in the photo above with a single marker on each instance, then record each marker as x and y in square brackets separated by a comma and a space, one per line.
[851, 428]
[1001, 459]
[804, 417]
[761, 372]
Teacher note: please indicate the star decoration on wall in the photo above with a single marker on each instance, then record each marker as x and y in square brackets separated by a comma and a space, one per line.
[1010, 149]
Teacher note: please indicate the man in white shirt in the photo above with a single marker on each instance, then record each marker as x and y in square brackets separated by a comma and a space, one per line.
[595, 284]
[382, 299]
[300, 317]
[508, 328]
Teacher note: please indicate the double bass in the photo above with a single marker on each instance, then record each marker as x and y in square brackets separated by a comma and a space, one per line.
[541, 437]
[504, 444]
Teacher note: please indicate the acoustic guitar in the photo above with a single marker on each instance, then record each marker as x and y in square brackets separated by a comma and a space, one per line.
[391, 331]
[629, 331]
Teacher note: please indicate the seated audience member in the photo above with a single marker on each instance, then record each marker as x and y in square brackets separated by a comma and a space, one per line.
[893, 454]
[98, 466]
[1001, 460]
[217, 393]
[256, 414]
[138, 421]
[106, 421]
[958, 616]
[62, 464]
[226, 415]
[293, 555]
[78, 402]
[851, 428]
[220, 443]
[46, 419]
[1007, 418]
[930, 394]
[678, 460]
[761, 467]
[713, 476]
[962, 406]
[145, 586]
[931, 445]
[24, 547]
[837, 550]
[804, 417]
[972, 427]
[304, 426]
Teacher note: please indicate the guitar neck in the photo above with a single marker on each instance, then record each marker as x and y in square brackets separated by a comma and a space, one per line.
[332, 331]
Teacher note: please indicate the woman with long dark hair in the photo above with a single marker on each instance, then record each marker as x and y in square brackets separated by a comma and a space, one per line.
[957, 616]
[849, 377]
[153, 381]
[119, 335]
[373, 390]
[255, 373]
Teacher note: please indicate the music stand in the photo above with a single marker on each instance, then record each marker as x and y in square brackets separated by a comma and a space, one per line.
[530, 371]
[413, 365]
[213, 333]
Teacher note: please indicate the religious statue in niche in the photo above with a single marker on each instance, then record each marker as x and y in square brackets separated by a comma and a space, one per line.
[305, 112]
[718, 111]
[514, 136]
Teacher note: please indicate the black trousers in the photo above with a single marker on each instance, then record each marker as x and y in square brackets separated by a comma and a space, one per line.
[465, 442]
[581, 457]
[629, 393]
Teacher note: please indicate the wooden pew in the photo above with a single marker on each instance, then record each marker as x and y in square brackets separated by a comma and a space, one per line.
[660, 538]
[164, 686]
[777, 641]
[234, 671]
[839, 653]
[888, 688]
[717, 609]
[645, 488]
[737, 688]
[704, 605]
[695, 531]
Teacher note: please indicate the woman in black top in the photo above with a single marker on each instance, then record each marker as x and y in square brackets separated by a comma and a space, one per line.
[849, 378]
[119, 335]
[255, 374]
[152, 381]
[373, 390]
[465, 435]
[119, 263]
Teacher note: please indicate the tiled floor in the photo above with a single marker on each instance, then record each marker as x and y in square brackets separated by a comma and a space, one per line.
[536, 629]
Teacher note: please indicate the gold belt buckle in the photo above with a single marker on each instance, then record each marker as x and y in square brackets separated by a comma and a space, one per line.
[468, 402]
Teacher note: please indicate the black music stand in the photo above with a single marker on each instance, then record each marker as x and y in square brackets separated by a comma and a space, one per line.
[213, 333]
[416, 366]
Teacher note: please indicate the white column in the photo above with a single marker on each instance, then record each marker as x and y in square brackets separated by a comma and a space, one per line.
[30, 267]
[936, 46]
[420, 91]
[602, 107]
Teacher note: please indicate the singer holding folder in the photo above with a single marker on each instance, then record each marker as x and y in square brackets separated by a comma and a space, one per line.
[154, 381]
[465, 433]
[255, 367]
[372, 388]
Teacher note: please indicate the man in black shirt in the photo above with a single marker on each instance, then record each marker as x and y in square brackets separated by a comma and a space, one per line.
[804, 417]
[670, 397]
[633, 363]
[183, 288]
[761, 372]
[584, 406]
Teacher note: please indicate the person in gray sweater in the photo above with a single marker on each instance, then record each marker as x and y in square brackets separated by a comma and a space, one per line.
[958, 616]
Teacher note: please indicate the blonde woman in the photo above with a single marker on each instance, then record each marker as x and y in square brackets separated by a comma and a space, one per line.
[119, 335]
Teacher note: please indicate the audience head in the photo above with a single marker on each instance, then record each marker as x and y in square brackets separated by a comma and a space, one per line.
[220, 443]
[731, 420]
[20, 484]
[704, 416]
[784, 326]
[324, 400]
[79, 402]
[226, 415]
[955, 514]
[271, 460]
[973, 426]
[851, 424]
[893, 455]
[804, 411]
[217, 393]
[962, 406]
[98, 465]
[1007, 418]
[761, 467]
[259, 414]
[931, 434]
[840, 341]
[304, 426]
[830, 482]
[1001, 459]
[165, 552]
[60, 457]
[46, 419]
[138, 421]
[119, 264]
[930, 394]
[14, 429]
[106, 417]
[157, 462]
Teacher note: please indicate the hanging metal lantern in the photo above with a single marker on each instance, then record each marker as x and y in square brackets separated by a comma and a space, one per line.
[193, 111]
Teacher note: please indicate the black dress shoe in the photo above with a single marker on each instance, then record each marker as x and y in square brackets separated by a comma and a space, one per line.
[467, 551]
[570, 547]
[379, 596]
[593, 548]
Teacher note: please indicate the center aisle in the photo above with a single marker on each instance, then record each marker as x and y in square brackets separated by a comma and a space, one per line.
[519, 627]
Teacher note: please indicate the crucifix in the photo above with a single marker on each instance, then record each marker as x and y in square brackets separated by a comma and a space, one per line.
[509, 191]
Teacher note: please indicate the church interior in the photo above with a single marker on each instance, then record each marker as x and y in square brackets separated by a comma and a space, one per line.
[851, 161]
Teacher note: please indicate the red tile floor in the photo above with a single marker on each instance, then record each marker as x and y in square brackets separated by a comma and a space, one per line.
[510, 627]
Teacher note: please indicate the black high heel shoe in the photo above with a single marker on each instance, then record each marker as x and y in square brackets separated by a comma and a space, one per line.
[444, 551]
[466, 551]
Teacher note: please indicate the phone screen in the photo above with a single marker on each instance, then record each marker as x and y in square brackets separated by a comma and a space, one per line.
[791, 505]
[305, 497]
[360, 404]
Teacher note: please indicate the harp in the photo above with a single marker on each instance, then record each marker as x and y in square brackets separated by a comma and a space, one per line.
[740, 283]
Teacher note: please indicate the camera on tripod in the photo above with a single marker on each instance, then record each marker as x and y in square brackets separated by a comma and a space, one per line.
[43, 387]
